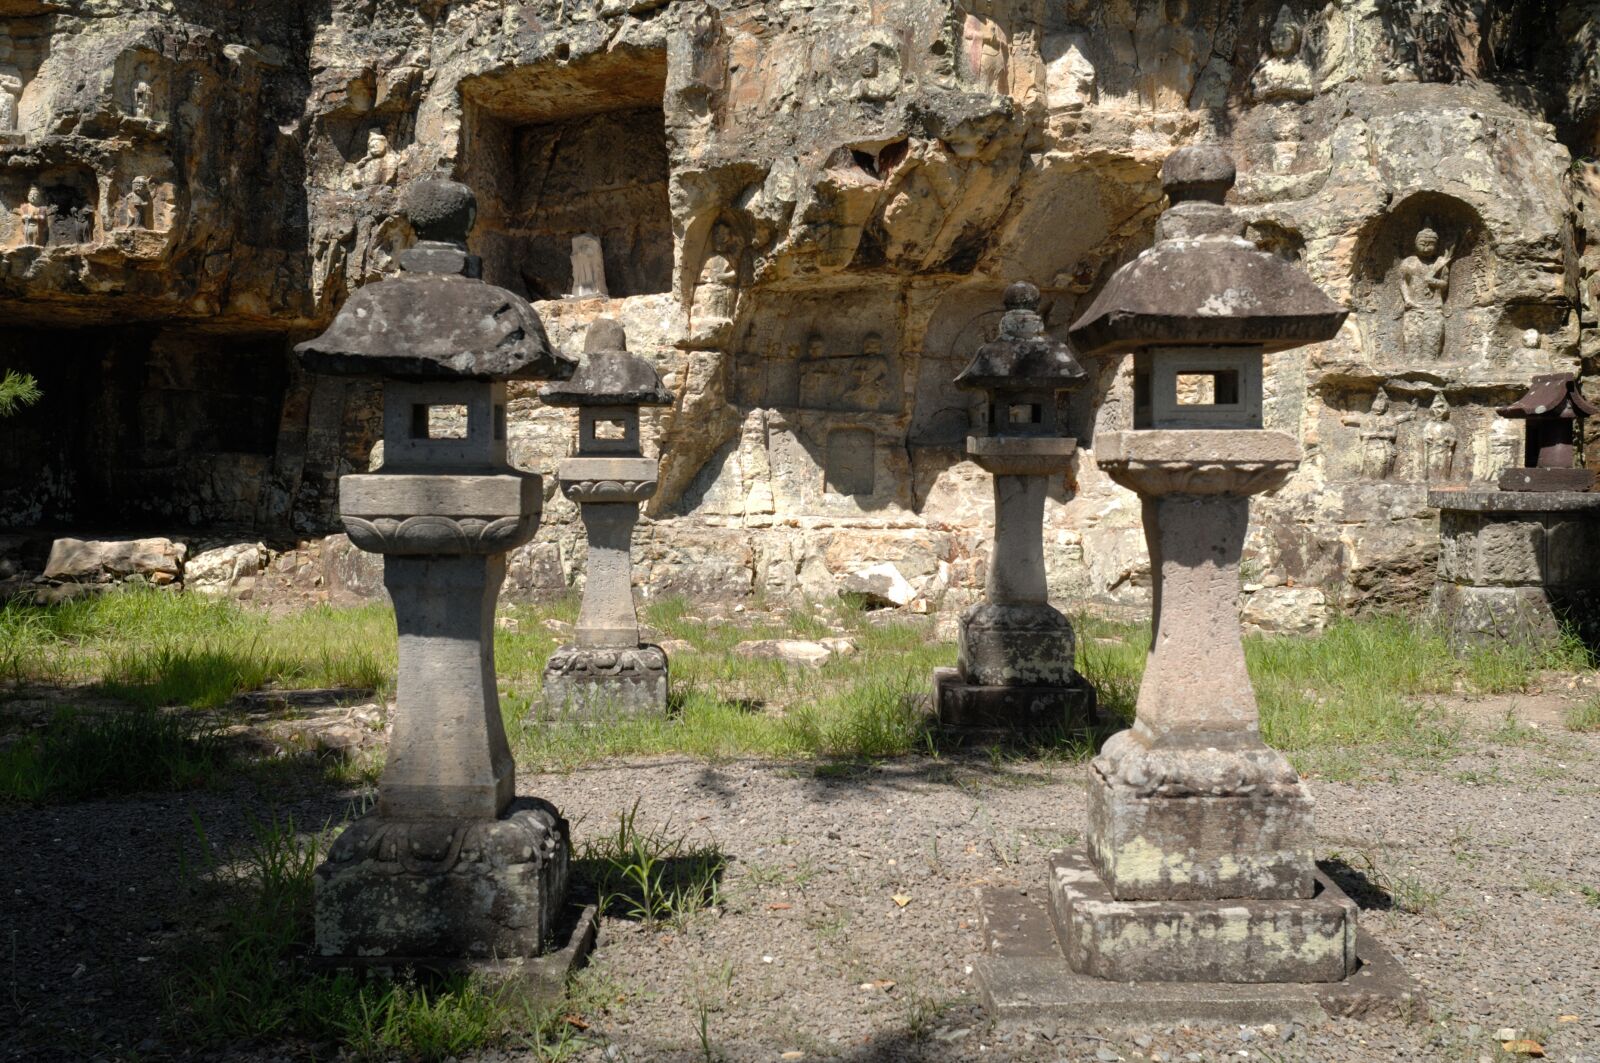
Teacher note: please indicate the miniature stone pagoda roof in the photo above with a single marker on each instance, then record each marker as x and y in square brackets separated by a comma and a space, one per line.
[1022, 356]
[436, 320]
[611, 375]
[1555, 396]
[1202, 283]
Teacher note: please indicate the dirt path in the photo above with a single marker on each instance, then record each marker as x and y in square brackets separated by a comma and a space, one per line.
[1483, 858]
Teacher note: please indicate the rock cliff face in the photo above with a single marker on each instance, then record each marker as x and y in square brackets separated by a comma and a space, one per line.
[806, 212]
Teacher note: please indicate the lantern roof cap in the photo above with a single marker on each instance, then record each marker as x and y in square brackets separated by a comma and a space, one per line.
[1555, 396]
[437, 319]
[1202, 283]
[1022, 356]
[610, 375]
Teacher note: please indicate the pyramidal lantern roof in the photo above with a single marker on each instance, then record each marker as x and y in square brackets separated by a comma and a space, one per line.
[1202, 283]
[1022, 355]
[437, 319]
[1555, 396]
[611, 375]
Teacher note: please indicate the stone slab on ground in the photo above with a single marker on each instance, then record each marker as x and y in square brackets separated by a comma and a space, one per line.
[539, 980]
[1023, 976]
[971, 706]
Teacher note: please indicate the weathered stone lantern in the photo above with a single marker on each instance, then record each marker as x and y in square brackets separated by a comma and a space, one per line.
[608, 476]
[1198, 864]
[1016, 650]
[1551, 411]
[450, 868]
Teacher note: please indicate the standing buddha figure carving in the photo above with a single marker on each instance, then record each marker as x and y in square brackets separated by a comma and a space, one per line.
[144, 101]
[35, 215]
[716, 293]
[1379, 429]
[1439, 441]
[1424, 284]
[137, 208]
[588, 268]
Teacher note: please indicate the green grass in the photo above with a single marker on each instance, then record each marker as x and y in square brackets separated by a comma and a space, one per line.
[80, 755]
[249, 981]
[654, 875]
[155, 648]
[1361, 685]
[1584, 717]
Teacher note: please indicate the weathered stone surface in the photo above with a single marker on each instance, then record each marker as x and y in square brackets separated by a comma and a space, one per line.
[756, 175]
[1246, 940]
[225, 570]
[1516, 566]
[110, 560]
[878, 585]
[790, 651]
[444, 888]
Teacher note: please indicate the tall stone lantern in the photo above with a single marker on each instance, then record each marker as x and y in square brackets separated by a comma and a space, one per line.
[608, 476]
[450, 868]
[1196, 895]
[1016, 650]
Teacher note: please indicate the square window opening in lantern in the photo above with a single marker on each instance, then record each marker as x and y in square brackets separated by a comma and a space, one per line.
[439, 422]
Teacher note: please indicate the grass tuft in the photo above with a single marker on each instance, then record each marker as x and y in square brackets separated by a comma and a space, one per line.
[653, 876]
[1585, 717]
[80, 756]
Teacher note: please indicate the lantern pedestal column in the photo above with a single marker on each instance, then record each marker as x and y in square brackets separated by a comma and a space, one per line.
[607, 667]
[1017, 651]
[450, 870]
[1198, 864]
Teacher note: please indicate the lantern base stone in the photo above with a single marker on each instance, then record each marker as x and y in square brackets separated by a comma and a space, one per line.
[437, 893]
[1180, 824]
[1547, 480]
[1011, 708]
[1231, 939]
[1023, 975]
[588, 680]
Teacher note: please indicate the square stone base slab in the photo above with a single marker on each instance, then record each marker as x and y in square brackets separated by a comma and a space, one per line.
[1025, 977]
[538, 979]
[969, 706]
[1250, 939]
[1201, 846]
[605, 695]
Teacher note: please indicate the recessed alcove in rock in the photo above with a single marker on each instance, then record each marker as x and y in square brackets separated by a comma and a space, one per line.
[563, 149]
[141, 427]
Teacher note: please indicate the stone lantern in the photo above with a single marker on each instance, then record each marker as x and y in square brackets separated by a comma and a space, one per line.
[451, 868]
[1016, 650]
[1198, 863]
[1551, 411]
[608, 477]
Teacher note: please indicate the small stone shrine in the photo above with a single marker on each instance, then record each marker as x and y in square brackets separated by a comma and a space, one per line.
[1016, 650]
[451, 869]
[1196, 895]
[1550, 412]
[608, 477]
[1516, 565]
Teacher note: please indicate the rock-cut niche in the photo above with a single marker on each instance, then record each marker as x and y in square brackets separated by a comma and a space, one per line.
[1420, 268]
[564, 151]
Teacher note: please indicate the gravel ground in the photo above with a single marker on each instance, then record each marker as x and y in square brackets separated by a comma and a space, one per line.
[1483, 856]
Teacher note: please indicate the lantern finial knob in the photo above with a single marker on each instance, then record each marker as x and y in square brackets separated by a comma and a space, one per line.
[1022, 296]
[441, 210]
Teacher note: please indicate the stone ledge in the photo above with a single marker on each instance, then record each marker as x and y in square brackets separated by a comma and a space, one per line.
[1496, 501]
[1024, 977]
